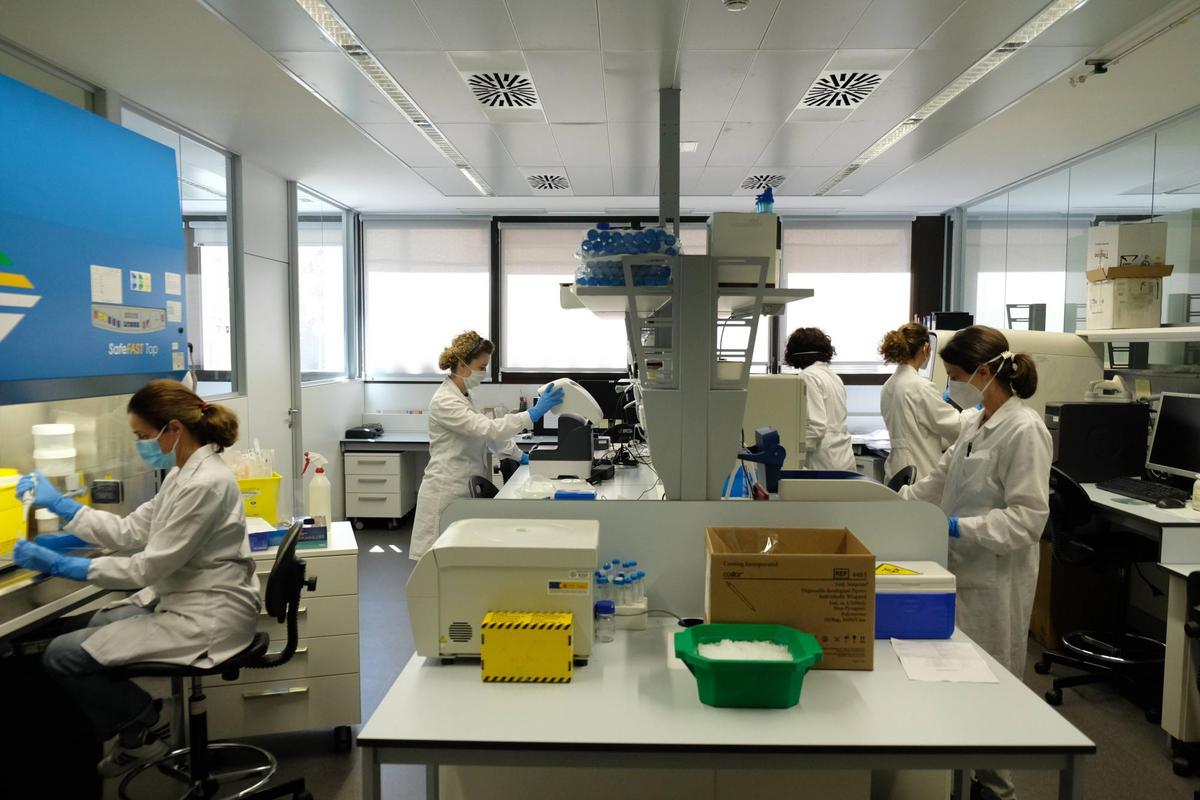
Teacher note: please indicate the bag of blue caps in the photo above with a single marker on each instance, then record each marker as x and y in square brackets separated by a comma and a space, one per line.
[601, 250]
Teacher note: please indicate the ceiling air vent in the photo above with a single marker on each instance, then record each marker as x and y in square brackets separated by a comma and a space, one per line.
[763, 181]
[504, 89]
[548, 183]
[841, 89]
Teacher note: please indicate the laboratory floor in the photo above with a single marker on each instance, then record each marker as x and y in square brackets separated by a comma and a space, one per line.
[1133, 759]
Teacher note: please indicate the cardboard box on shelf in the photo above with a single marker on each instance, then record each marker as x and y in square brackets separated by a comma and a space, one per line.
[1129, 244]
[821, 581]
[1126, 296]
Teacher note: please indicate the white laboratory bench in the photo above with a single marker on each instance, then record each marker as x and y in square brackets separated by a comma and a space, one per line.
[34, 600]
[1177, 530]
[628, 483]
[635, 705]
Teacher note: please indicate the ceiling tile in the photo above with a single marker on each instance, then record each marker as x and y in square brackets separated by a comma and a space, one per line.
[899, 23]
[847, 142]
[336, 79]
[740, 143]
[1098, 21]
[705, 135]
[800, 180]
[777, 81]
[982, 25]
[796, 142]
[402, 139]
[863, 180]
[478, 143]
[556, 24]
[689, 179]
[571, 85]
[631, 84]
[590, 181]
[470, 24]
[435, 85]
[634, 144]
[640, 26]
[633, 181]
[813, 24]
[721, 180]
[384, 24]
[584, 145]
[275, 25]
[506, 181]
[448, 180]
[710, 27]
[528, 143]
[869, 60]
[709, 82]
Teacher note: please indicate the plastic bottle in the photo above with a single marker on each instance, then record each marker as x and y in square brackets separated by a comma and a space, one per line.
[1196, 494]
[320, 491]
[603, 590]
[606, 621]
[618, 590]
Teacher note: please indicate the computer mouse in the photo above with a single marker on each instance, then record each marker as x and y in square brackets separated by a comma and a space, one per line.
[1170, 502]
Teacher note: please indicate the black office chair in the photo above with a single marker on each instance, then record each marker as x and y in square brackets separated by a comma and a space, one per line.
[481, 488]
[902, 478]
[1113, 655]
[192, 765]
[508, 466]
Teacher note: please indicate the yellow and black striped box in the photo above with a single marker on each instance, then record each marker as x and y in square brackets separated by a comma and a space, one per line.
[527, 647]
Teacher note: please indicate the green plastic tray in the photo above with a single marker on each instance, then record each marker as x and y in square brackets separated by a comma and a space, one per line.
[748, 684]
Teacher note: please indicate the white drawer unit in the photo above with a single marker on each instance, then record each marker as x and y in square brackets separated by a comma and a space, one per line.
[379, 485]
[319, 686]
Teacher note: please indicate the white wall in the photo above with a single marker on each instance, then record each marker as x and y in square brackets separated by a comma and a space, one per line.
[328, 409]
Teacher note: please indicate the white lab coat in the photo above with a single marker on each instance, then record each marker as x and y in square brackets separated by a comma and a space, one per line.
[187, 549]
[459, 439]
[920, 424]
[826, 438]
[996, 479]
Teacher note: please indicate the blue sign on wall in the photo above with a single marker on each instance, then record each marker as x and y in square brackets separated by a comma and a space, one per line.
[91, 246]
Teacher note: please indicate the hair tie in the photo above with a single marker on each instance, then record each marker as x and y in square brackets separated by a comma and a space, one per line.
[204, 406]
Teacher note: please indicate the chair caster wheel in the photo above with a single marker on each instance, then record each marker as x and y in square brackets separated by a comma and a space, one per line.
[1042, 668]
[1181, 766]
[342, 739]
[359, 524]
[1054, 697]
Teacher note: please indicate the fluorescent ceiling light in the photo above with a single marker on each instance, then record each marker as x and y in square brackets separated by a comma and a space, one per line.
[1019, 38]
[339, 33]
[688, 147]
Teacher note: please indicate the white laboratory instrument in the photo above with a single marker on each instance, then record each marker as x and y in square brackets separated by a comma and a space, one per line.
[779, 402]
[482, 565]
[576, 400]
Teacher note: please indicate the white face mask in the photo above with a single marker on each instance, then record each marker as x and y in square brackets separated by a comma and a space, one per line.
[965, 394]
[474, 379]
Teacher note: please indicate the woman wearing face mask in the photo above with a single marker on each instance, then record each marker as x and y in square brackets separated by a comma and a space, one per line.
[826, 437]
[920, 424]
[460, 435]
[185, 554]
[993, 484]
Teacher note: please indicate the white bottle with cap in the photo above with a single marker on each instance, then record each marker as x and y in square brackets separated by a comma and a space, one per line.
[320, 491]
[1196, 494]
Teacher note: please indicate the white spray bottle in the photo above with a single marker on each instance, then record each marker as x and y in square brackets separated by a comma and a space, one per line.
[320, 491]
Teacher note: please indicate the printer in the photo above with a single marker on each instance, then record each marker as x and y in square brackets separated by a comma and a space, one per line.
[482, 565]
[1099, 440]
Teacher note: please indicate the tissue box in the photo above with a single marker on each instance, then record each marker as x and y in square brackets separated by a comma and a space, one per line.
[264, 536]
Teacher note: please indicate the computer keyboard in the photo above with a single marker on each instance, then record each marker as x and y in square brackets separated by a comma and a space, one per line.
[1149, 491]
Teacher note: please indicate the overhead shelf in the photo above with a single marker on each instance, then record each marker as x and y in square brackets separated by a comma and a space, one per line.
[733, 299]
[613, 299]
[1177, 333]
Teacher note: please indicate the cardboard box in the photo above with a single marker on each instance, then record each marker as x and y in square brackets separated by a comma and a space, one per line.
[1125, 297]
[1130, 244]
[816, 580]
[744, 235]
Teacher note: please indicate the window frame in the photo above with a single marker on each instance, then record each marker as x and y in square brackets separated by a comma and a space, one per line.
[349, 230]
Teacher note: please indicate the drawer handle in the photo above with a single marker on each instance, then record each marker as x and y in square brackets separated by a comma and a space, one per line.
[300, 651]
[275, 692]
[374, 498]
[300, 610]
[372, 480]
[372, 460]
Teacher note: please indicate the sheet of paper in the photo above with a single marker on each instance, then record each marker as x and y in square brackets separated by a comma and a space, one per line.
[106, 285]
[943, 662]
[173, 283]
[174, 311]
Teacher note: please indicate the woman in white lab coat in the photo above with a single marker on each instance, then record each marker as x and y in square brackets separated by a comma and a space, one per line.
[920, 424]
[994, 485]
[460, 435]
[184, 553]
[826, 437]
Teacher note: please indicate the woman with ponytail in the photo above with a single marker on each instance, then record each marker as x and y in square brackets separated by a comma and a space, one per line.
[920, 424]
[994, 485]
[184, 553]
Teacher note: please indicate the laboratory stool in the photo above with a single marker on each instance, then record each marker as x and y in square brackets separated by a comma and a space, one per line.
[193, 765]
[1113, 655]
[481, 488]
[902, 478]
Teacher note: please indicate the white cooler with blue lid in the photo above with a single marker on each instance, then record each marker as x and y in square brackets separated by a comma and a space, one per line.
[913, 600]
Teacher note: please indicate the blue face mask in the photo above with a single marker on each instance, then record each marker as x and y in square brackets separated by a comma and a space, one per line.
[152, 453]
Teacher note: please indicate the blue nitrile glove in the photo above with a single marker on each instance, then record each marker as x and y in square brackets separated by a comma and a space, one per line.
[42, 559]
[946, 395]
[547, 401]
[46, 496]
[524, 458]
[954, 533]
[61, 542]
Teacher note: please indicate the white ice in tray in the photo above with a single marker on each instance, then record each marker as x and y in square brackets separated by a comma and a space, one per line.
[731, 650]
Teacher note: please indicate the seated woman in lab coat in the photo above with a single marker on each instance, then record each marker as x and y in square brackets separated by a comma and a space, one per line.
[826, 437]
[460, 435]
[994, 485]
[185, 550]
[920, 424]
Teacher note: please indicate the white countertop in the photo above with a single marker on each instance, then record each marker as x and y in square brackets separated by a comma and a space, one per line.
[635, 693]
[1182, 570]
[1142, 509]
[628, 483]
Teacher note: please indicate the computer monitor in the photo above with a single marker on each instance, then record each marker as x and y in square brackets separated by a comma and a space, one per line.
[926, 371]
[1175, 444]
